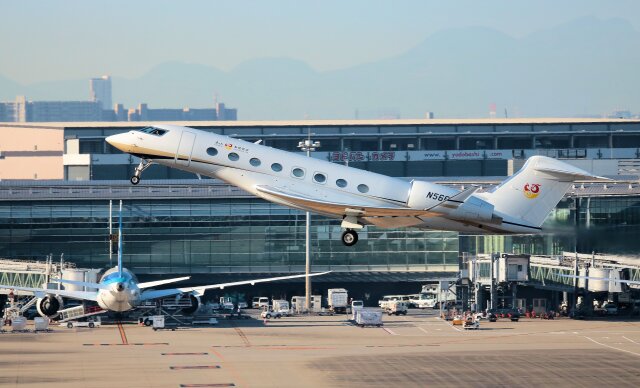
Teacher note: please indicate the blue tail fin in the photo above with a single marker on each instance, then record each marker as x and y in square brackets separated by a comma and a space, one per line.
[120, 243]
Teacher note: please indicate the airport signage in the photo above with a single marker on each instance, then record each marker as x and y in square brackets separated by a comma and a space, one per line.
[392, 156]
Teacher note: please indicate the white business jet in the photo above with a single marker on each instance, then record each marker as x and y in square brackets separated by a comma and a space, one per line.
[119, 290]
[519, 205]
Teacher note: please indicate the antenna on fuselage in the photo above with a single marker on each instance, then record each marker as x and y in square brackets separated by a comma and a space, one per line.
[120, 243]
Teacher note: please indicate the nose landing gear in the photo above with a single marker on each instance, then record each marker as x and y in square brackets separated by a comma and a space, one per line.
[349, 237]
[144, 164]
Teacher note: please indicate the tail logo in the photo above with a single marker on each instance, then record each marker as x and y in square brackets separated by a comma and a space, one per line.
[531, 190]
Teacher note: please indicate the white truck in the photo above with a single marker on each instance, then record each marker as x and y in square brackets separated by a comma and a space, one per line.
[260, 302]
[396, 307]
[434, 294]
[338, 300]
[298, 303]
[423, 301]
[281, 306]
[390, 298]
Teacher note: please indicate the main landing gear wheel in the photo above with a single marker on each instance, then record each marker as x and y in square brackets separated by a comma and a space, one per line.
[349, 237]
[135, 180]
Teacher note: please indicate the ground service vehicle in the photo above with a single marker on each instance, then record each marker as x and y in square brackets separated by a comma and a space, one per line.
[368, 317]
[338, 300]
[260, 302]
[396, 307]
[94, 322]
[281, 306]
[268, 314]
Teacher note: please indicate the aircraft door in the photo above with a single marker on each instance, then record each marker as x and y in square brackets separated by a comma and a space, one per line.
[183, 155]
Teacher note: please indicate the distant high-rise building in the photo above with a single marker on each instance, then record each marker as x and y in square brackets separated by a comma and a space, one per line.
[100, 89]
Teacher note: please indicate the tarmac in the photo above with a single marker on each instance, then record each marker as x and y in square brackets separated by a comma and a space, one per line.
[417, 350]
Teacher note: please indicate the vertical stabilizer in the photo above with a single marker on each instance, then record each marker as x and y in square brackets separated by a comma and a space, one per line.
[536, 189]
[120, 243]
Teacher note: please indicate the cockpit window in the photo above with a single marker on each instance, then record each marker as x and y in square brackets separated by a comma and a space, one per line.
[153, 131]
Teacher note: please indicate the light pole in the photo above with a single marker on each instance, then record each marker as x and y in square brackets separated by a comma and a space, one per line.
[308, 146]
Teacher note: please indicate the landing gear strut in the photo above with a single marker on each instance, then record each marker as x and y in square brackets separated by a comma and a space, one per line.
[144, 164]
[349, 237]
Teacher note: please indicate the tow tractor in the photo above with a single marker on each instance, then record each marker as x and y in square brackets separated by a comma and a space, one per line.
[471, 324]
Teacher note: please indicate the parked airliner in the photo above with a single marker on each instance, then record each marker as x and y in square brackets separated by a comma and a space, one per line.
[119, 290]
[517, 206]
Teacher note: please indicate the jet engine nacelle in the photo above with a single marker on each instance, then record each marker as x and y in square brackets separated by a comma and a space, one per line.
[474, 209]
[49, 306]
[425, 195]
[195, 303]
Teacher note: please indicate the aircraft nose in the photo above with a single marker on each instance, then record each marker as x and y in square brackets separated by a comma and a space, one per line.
[119, 141]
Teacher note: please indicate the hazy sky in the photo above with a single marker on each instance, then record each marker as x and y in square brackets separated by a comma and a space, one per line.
[53, 40]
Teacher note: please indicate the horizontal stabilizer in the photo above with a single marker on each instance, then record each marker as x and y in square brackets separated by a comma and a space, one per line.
[161, 282]
[82, 284]
[565, 171]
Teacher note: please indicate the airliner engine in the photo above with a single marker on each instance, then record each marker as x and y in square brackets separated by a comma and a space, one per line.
[49, 306]
[195, 303]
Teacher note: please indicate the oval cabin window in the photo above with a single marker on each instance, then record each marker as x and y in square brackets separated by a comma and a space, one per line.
[363, 188]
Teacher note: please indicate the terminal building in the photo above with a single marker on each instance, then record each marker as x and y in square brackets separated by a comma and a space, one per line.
[58, 180]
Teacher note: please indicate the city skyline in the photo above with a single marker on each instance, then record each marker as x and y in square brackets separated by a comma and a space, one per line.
[286, 60]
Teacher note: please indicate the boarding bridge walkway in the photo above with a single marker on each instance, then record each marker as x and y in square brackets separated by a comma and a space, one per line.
[545, 271]
[24, 273]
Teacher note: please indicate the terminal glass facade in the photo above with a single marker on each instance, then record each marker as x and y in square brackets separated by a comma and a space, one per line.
[607, 224]
[210, 236]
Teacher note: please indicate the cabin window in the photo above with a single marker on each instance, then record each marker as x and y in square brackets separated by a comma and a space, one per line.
[255, 162]
[212, 151]
[341, 183]
[233, 157]
[297, 172]
[277, 167]
[319, 177]
[363, 188]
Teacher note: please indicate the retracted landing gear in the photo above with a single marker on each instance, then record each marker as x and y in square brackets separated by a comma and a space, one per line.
[144, 164]
[349, 237]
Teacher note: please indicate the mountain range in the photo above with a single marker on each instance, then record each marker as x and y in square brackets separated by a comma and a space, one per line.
[585, 66]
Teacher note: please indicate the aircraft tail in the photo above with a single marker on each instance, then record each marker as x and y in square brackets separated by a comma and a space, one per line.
[536, 189]
[120, 243]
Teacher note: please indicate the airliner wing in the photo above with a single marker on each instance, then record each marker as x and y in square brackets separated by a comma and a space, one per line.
[364, 210]
[42, 292]
[161, 282]
[199, 290]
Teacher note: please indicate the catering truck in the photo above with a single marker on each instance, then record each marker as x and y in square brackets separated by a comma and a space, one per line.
[338, 300]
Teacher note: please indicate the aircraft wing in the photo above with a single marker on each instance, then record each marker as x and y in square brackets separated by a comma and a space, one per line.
[199, 290]
[327, 207]
[161, 282]
[42, 292]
